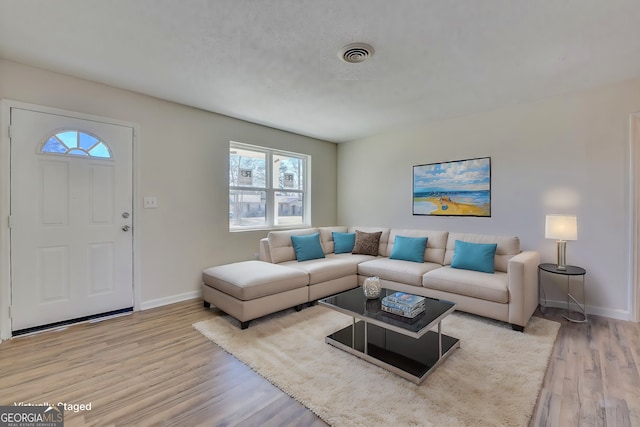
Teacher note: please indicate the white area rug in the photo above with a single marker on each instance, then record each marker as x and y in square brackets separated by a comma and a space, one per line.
[493, 379]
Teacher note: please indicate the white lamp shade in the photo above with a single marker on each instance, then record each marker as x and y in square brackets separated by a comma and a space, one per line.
[561, 227]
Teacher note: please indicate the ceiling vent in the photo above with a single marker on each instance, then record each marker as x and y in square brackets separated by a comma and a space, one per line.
[356, 52]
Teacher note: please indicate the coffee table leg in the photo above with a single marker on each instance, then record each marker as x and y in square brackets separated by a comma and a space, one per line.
[439, 340]
[353, 334]
[366, 339]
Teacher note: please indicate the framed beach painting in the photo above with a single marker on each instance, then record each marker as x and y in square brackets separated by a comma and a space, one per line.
[456, 188]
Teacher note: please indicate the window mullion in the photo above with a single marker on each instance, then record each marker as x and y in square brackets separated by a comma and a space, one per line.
[270, 193]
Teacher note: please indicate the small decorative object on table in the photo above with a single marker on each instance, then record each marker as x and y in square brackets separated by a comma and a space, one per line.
[372, 287]
[403, 304]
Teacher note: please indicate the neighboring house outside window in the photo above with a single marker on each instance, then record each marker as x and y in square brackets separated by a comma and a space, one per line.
[267, 188]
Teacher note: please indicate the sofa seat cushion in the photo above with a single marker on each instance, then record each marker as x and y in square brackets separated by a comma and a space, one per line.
[486, 286]
[353, 258]
[324, 269]
[396, 270]
[249, 280]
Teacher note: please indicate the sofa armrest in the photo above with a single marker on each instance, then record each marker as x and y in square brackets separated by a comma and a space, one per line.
[265, 253]
[522, 273]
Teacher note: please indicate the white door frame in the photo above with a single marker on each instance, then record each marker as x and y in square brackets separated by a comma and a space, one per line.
[5, 193]
[634, 214]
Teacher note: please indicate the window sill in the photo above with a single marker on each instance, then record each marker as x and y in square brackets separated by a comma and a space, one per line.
[276, 228]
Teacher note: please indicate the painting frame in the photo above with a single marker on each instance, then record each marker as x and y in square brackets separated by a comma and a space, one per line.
[460, 188]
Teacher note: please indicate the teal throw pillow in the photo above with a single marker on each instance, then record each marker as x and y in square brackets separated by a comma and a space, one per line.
[343, 242]
[409, 248]
[307, 247]
[474, 256]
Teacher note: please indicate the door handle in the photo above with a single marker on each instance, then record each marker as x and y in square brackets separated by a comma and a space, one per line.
[125, 228]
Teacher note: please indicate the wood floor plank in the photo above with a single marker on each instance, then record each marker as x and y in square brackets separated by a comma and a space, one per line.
[152, 368]
[146, 368]
[592, 374]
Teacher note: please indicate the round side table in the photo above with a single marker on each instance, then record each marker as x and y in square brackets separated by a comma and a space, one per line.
[571, 270]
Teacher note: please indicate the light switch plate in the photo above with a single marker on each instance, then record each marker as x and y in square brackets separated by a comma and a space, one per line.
[150, 202]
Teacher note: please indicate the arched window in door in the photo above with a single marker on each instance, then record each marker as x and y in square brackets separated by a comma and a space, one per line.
[76, 143]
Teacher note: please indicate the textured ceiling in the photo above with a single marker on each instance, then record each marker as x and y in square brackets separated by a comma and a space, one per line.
[275, 62]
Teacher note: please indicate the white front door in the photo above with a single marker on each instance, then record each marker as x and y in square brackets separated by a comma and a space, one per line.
[71, 217]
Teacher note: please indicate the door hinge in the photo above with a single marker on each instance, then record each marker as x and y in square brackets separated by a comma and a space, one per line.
[10, 312]
[10, 131]
[9, 224]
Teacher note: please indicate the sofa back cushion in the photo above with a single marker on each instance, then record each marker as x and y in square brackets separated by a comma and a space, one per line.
[507, 247]
[436, 243]
[280, 244]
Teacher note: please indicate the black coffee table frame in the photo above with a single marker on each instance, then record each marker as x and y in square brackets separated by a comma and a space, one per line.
[407, 347]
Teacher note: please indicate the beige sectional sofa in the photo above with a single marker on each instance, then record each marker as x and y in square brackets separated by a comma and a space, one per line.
[510, 294]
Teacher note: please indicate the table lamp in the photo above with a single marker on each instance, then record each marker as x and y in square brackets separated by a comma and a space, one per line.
[561, 228]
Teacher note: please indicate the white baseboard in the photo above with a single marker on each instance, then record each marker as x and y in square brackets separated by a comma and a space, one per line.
[596, 311]
[146, 305]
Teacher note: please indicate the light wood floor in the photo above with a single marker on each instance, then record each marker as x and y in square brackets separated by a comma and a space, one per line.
[593, 377]
[153, 368]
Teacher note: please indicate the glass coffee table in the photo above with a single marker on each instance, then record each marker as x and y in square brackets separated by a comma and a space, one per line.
[407, 347]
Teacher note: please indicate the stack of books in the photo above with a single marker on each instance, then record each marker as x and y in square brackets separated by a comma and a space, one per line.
[403, 304]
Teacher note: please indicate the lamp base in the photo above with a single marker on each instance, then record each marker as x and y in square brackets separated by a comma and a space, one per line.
[562, 255]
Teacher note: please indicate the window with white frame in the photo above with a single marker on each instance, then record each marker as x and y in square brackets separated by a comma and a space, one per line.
[267, 188]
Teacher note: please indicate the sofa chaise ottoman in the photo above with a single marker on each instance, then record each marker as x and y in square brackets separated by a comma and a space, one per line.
[251, 289]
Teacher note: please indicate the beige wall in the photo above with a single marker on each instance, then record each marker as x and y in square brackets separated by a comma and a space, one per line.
[183, 162]
[568, 154]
